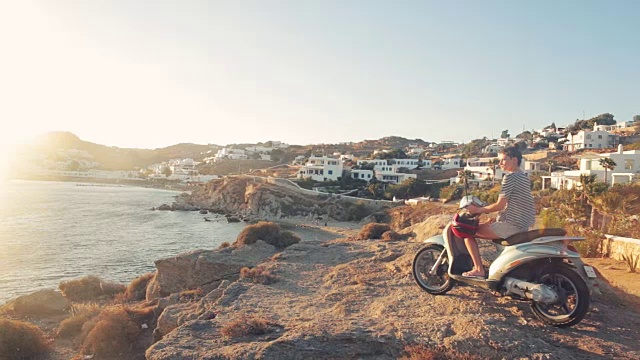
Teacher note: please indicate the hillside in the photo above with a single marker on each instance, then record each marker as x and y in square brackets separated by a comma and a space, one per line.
[111, 157]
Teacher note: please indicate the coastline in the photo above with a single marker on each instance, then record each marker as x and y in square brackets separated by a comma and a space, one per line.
[151, 184]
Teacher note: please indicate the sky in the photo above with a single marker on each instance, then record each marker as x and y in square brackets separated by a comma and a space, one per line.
[150, 74]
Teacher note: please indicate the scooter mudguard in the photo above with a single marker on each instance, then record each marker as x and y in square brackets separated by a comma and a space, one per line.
[515, 256]
[436, 239]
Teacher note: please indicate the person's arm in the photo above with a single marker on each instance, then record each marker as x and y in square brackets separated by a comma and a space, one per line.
[497, 206]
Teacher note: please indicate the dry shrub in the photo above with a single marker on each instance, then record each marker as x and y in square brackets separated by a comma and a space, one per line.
[89, 288]
[21, 340]
[391, 236]
[191, 295]
[224, 245]
[137, 289]
[258, 275]
[423, 352]
[116, 332]
[269, 232]
[373, 231]
[80, 314]
[244, 326]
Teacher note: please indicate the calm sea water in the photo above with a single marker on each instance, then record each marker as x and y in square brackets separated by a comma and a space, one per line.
[56, 231]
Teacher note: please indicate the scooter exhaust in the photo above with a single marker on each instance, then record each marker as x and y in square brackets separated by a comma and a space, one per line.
[537, 292]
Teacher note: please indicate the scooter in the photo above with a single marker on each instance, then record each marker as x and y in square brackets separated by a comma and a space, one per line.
[539, 266]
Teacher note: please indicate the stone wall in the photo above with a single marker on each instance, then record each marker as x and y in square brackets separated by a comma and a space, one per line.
[616, 246]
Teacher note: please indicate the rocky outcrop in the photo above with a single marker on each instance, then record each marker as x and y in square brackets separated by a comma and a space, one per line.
[347, 299]
[40, 303]
[255, 198]
[205, 269]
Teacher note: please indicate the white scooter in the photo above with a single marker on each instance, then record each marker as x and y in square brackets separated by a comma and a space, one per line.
[540, 266]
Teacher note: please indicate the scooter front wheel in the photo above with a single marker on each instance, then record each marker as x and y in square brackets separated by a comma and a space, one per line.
[573, 293]
[438, 283]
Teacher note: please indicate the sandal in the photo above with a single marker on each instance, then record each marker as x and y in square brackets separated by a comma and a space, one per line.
[473, 275]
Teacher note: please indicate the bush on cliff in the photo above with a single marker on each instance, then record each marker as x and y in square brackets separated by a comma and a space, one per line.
[269, 232]
[137, 289]
[258, 275]
[373, 231]
[21, 340]
[89, 288]
[80, 314]
[118, 332]
[244, 326]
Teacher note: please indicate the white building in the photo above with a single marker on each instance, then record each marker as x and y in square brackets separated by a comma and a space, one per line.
[586, 139]
[451, 163]
[407, 163]
[185, 167]
[389, 173]
[493, 148]
[360, 174]
[375, 162]
[627, 170]
[321, 168]
[229, 153]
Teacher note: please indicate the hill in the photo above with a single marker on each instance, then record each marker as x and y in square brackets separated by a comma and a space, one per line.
[111, 157]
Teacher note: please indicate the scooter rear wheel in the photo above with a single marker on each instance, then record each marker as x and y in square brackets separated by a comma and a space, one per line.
[424, 260]
[573, 293]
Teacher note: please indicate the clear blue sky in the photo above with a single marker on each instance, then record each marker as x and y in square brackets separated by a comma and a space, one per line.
[155, 73]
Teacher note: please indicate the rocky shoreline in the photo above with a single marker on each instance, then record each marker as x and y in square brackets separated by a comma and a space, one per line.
[333, 295]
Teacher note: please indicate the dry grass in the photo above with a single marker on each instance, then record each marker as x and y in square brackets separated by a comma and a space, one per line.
[245, 326]
[21, 340]
[191, 295]
[137, 289]
[89, 288]
[392, 236]
[423, 352]
[116, 332]
[258, 275]
[269, 232]
[373, 231]
[80, 314]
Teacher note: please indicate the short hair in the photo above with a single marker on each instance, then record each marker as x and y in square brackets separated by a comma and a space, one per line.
[513, 152]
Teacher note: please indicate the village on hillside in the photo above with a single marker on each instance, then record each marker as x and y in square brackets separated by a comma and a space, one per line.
[558, 156]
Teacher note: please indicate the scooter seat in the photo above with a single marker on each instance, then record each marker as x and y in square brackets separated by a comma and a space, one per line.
[531, 235]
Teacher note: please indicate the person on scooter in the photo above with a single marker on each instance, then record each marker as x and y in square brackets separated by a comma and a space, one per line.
[515, 207]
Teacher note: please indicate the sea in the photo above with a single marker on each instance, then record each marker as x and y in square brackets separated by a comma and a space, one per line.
[56, 231]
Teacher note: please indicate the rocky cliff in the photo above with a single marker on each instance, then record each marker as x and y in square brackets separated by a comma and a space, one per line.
[347, 299]
[257, 198]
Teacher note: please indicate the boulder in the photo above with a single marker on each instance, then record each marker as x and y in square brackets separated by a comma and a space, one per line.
[205, 269]
[40, 303]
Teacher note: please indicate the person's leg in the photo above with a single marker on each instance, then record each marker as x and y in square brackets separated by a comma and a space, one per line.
[484, 232]
[474, 251]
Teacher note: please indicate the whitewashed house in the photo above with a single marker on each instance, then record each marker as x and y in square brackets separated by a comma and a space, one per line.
[389, 173]
[360, 174]
[627, 170]
[375, 162]
[492, 148]
[321, 168]
[451, 163]
[186, 167]
[586, 139]
[407, 163]
[233, 154]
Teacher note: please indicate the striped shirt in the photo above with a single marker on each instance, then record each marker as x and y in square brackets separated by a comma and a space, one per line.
[520, 210]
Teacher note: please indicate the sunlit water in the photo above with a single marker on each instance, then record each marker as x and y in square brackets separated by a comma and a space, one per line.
[56, 231]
